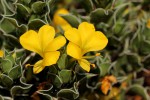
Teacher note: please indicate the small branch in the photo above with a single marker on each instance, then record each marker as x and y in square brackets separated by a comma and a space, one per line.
[28, 57]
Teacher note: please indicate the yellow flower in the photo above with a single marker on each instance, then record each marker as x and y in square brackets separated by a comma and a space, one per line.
[83, 40]
[44, 44]
[148, 24]
[1, 53]
[59, 21]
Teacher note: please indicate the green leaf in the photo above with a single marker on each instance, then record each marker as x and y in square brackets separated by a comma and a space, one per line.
[6, 7]
[23, 82]
[118, 27]
[38, 6]
[70, 94]
[71, 19]
[12, 41]
[23, 10]
[53, 70]
[139, 90]
[87, 4]
[19, 90]
[139, 81]
[56, 80]
[25, 1]
[104, 69]
[10, 58]
[146, 33]
[6, 26]
[6, 65]
[100, 15]
[65, 75]
[62, 61]
[136, 60]
[145, 47]
[2, 7]
[46, 93]
[20, 27]
[51, 4]
[6, 80]
[15, 72]
[104, 3]
[66, 93]
[36, 24]
[10, 24]
[81, 77]
[34, 16]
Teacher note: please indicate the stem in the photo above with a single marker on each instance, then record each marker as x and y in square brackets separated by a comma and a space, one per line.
[28, 57]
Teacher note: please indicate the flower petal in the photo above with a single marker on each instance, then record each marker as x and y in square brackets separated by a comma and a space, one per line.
[56, 44]
[66, 27]
[86, 31]
[50, 58]
[30, 41]
[73, 35]
[58, 20]
[38, 67]
[84, 64]
[46, 35]
[98, 41]
[148, 23]
[1, 53]
[74, 51]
